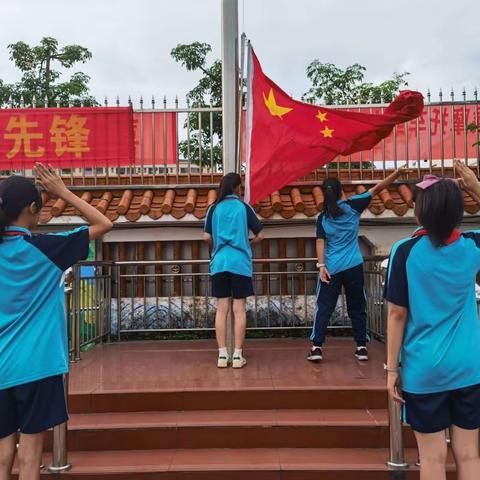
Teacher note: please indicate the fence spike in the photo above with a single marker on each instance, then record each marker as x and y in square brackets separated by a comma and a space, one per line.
[153, 102]
[82, 102]
[440, 95]
[176, 101]
[70, 104]
[45, 102]
[117, 101]
[164, 101]
[130, 101]
[188, 102]
[34, 101]
[141, 102]
[429, 96]
[452, 94]
[475, 94]
[22, 101]
[57, 102]
[464, 94]
[105, 101]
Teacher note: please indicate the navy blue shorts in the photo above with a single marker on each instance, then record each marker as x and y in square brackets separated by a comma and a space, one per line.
[434, 412]
[227, 284]
[33, 407]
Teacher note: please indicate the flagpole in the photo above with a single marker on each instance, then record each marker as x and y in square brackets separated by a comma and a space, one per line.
[248, 120]
[238, 164]
[229, 83]
[229, 112]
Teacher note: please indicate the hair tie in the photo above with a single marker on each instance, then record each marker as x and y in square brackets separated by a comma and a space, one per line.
[329, 187]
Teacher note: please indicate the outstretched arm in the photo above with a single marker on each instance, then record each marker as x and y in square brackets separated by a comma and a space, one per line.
[385, 183]
[52, 183]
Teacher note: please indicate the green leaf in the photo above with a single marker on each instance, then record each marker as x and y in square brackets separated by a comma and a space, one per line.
[41, 79]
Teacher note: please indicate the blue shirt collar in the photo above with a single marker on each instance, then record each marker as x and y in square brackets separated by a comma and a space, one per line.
[20, 230]
[232, 196]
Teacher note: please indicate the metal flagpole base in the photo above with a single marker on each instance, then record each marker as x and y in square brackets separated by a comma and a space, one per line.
[397, 466]
[64, 468]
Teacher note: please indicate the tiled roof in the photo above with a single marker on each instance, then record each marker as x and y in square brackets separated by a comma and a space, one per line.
[178, 202]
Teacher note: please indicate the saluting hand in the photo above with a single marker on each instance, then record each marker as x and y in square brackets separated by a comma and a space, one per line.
[467, 179]
[50, 181]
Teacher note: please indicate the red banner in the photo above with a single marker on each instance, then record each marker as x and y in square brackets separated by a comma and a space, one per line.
[155, 138]
[446, 138]
[66, 137]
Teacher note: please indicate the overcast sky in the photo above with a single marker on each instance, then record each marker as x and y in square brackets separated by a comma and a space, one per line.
[437, 41]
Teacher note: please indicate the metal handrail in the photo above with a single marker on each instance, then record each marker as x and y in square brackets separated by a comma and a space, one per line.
[372, 258]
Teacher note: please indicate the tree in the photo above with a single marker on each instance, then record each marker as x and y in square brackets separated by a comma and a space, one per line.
[472, 127]
[207, 92]
[332, 85]
[40, 82]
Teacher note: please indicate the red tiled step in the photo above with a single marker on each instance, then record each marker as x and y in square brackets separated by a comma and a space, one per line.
[231, 429]
[241, 464]
[248, 398]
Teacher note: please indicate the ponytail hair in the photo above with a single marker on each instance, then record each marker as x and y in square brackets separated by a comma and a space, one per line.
[439, 209]
[332, 193]
[228, 185]
[16, 193]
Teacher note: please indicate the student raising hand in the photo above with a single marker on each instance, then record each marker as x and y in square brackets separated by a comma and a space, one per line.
[53, 184]
[468, 180]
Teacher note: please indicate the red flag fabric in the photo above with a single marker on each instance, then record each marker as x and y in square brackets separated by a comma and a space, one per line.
[287, 139]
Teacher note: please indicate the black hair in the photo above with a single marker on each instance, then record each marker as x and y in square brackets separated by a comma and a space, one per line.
[439, 209]
[228, 185]
[16, 193]
[332, 193]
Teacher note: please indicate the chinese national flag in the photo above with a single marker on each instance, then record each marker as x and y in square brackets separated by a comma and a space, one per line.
[287, 139]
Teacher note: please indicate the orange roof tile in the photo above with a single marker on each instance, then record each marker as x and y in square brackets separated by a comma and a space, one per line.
[178, 202]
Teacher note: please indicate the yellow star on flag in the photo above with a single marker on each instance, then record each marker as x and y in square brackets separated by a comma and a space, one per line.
[275, 109]
[321, 116]
[327, 132]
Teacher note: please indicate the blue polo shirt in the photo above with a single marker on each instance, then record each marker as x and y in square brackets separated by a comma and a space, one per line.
[441, 346]
[229, 223]
[33, 327]
[342, 250]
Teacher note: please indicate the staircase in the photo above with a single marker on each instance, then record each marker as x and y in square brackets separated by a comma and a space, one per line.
[310, 422]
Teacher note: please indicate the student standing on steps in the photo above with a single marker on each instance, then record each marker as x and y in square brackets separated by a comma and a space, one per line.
[33, 327]
[227, 227]
[433, 327]
[341, 263]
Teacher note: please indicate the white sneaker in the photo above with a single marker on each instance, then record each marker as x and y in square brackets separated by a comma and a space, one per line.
[239, 362]
[223, 362]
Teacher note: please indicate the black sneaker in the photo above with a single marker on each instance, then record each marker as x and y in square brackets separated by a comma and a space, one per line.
[362, 354]
[315, 354]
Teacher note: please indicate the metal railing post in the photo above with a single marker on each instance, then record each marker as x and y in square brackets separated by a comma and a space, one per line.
[76, 314]
[59, 449]
[396, 460]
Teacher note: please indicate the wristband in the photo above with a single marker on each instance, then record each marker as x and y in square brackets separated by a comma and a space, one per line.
[391, 370]
[320, 265]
